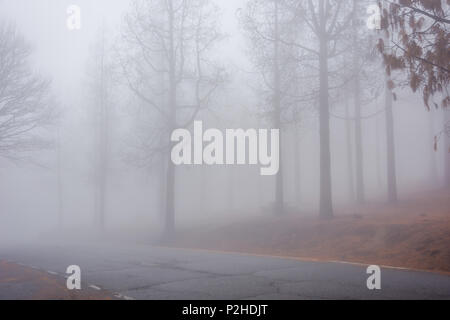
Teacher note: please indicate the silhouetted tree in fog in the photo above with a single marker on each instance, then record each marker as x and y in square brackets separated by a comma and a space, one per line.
[59, 177]
[390, 144]
[100, 70]
[25, 102]
[365, 84]
[266, 23]
[166, 63]
[326, 27]
[348, 137]
[356, 63]
[446, 134]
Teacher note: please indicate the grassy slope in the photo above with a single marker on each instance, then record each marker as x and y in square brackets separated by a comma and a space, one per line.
[414, 234]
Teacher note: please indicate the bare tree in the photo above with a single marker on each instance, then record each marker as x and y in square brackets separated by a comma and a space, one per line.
[101, 82]
[25, 102]
[266, 23]
[326, 26]
[348, 136]
[297, 168]
[446, 134]
[166, 63]
[59, 178]
[360, 196]
[354, 76]
[366, 84]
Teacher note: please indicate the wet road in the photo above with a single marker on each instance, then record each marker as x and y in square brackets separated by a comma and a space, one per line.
[146, 272]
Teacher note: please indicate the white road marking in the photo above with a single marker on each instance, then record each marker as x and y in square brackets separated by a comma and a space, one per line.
[94, 287]
[121, 296]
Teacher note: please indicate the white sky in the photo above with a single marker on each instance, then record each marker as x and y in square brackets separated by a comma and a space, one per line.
[62, 54]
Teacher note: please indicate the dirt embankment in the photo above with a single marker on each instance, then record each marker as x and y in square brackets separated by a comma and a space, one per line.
[414, 233]
[18, 282]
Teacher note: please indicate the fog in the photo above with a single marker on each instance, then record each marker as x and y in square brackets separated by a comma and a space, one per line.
[103, 171]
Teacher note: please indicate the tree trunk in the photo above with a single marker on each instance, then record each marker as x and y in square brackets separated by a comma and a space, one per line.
[297, 158]
[261, 180]
[162, 174]
[360, 194]
[447, 146]
[279, 193]
[169, 230]
[103, 163]
[326, 205]
[231, 186]
[378, 153]
[59, 182]
[102, 139]
[203, 190]
[279, 198]
[434, 176]
[351, 178]
[390, 143]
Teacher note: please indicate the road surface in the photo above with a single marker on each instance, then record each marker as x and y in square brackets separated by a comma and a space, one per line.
[146, 272]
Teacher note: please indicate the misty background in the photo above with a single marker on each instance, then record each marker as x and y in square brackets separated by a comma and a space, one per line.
[77, 184]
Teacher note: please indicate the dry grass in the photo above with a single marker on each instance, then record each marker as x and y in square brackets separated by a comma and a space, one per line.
[414, 234]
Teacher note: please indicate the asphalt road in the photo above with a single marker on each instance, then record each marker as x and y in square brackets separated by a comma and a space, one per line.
[145, 272]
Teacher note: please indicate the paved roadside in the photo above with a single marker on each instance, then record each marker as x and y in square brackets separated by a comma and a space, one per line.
[19, 282]
[155, 273]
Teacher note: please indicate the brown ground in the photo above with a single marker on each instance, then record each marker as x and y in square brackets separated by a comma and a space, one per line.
[414, 234]
[22, 283]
